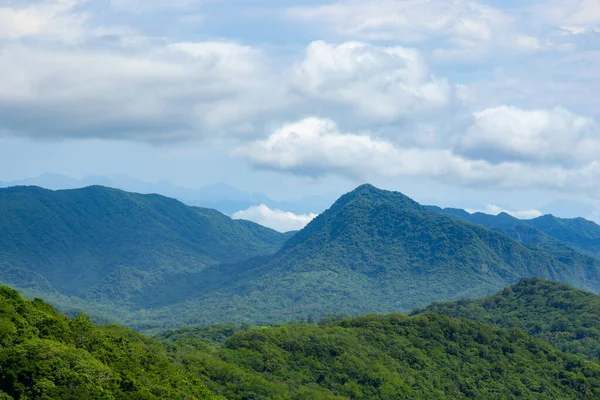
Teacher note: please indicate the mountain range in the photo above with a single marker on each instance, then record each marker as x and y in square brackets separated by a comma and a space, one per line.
[219, 196]
[546, 231]
[153, 262]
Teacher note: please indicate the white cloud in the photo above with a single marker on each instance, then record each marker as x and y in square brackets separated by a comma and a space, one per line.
[282, 221]
[509, 133]
[139, 6]
[378, 82]
[47, 18]
[316, 147]
[147, 92]
[573, 16]
[463, 21]
[495, 210]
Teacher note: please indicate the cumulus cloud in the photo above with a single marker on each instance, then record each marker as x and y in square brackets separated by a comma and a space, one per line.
[149, 90]
[150, 93]
[509, 133]
[282, 221]
[49, 18]
[495, 210]
[316, 147]
[400, 113]
[378, 82]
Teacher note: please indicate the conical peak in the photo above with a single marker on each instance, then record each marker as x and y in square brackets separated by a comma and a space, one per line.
[369, 194]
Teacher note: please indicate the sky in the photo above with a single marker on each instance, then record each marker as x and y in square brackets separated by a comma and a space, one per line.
[484, 105]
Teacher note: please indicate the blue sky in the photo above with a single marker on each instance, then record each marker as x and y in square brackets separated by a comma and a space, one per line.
[452, 101]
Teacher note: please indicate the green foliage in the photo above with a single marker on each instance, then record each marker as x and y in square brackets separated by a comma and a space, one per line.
[548, 231]
[110, 252]
[372, 251]
[389, 357]
[152, 263]
[566, 317]
[44, 355]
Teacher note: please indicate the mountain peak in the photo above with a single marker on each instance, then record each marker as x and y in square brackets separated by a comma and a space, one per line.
[371, 194]
[366, 187]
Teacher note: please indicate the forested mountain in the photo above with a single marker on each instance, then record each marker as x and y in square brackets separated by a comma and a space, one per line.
[81, 242]
[566, 317]
[152, 262]
[546, 231]
[47, 356]
[373, 251]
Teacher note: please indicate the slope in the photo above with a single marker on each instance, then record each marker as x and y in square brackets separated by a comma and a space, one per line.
[45, 355]
[566, 317]
[546, 231]
[388, 357]
[372, 251]
[72, 240]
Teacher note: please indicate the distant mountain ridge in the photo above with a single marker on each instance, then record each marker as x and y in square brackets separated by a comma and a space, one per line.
[219, 196]
[376, 251]
[153, 262]
[545, 231]
[74, 239]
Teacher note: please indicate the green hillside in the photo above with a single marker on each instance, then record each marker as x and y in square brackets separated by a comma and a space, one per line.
[153, 263]
[566, 317]
[100, 243]
[373, 251]
[390, 357]
[44, 355]
[546, 231]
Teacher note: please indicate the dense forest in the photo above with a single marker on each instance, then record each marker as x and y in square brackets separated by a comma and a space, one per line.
[287, 306]
[546, 231]
[152, 263]
[566, 317]
[44, 355]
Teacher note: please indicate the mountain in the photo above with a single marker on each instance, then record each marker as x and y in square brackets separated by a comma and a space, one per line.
[152, 263]
[77, 242]
[566, 317]
[48, 181]
[45, 355]
[219, 196]
[545, 231]
[571, 209]
[372, 251]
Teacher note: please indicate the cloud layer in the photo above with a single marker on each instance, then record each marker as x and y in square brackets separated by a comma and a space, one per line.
[315, 147]
[460, 92]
